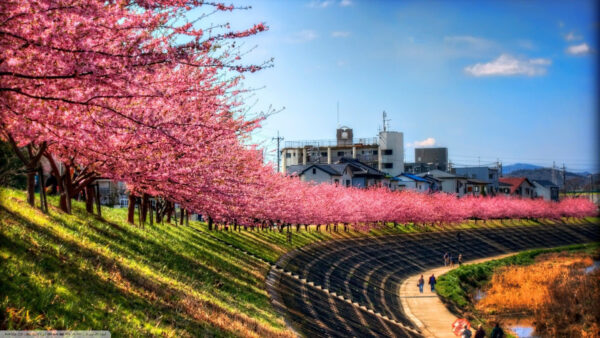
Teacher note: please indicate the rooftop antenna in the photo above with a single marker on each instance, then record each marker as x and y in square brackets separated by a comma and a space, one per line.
[385, 121]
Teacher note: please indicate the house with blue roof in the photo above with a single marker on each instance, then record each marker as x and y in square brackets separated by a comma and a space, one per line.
[413, 182]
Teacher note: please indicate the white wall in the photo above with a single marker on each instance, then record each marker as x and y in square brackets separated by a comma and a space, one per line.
[394, 141]
[318, 177]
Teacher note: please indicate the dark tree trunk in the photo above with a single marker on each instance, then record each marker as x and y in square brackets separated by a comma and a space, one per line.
[43, 199]
[89, 199]
[151, 213]
[181, 214]
[31, 162]
[144, 207]
[168, 210]
[210, 223]
[131, 209]
[97, 198]
[31, 188]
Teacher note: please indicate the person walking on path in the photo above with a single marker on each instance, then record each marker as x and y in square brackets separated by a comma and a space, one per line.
[432, 282]
[420, 284]
[480, 333]
[466, 332]
[451, 261]
[497, 331]
[446, 259]
[460, 260]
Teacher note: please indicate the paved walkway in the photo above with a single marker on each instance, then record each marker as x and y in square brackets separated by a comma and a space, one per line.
[426, 309]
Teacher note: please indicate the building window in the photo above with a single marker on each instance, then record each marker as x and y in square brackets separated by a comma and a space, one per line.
[288, 155]
[314, 171]
[491, 176]
[340, 153]
[336, 181]
[387, 152]
[476, 188]
[388, 165]
[374, 152]
[323, 154]
[347, 183]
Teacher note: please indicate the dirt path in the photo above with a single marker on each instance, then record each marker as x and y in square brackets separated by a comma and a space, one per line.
[426, 309]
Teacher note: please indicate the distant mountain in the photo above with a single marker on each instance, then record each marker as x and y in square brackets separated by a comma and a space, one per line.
[574, 181]
[518, 166]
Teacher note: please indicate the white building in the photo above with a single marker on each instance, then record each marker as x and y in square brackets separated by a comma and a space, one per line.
[385, 152]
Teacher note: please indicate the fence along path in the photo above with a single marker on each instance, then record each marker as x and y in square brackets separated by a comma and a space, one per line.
[351, 287]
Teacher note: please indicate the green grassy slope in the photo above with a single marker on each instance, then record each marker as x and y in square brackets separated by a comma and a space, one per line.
[75, 271]
[60, 271]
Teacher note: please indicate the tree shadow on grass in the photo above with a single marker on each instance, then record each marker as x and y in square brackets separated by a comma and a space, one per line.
[136, 293]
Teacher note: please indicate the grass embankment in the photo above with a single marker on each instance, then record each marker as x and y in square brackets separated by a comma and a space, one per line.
[523, 285]
[60, 271]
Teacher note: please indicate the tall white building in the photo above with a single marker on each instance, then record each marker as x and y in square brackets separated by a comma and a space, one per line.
[385, 152]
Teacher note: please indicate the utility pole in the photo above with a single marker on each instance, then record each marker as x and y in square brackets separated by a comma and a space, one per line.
[279, 139]
[564, 170]
[499, 166]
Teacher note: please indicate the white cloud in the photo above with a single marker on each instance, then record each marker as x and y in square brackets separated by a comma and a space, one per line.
[428, 142]
[573, 37]
[346, 3]
[580, 49]
[303, 36]
[507, 65]
[320, 4]
[340, 34]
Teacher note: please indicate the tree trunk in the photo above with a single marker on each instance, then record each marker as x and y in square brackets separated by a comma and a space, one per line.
[43, 199]
[31, 162]
[131, 209]
[144, 207]
[181, 214]
[210, 223]
[31, 187]
[97, 198]
[168, 211]
[151, 213]
[89, 199]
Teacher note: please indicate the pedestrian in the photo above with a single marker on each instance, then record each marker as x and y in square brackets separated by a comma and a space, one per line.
[460, 259]
[451, 261]
[480, 333]
[446, 259]
[466, 332]
[432, 282]
[420, 284]
[497, 331]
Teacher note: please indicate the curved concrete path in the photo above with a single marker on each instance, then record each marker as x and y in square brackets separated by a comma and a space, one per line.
[350, 288]
[426, 310]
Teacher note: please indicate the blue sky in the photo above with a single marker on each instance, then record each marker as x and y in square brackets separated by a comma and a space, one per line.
[509, 80]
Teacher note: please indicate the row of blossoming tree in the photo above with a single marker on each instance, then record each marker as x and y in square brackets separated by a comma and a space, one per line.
[135, 91]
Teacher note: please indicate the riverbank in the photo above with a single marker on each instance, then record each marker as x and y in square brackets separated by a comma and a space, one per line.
[517, 290]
